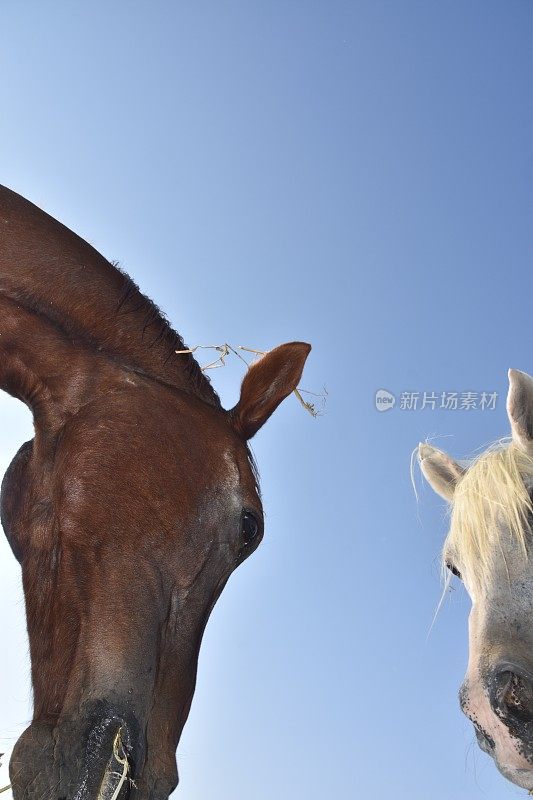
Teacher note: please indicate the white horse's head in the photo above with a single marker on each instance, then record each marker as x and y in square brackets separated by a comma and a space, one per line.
[490, 546]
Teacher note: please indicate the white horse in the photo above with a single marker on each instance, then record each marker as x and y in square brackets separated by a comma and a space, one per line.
[490, 546]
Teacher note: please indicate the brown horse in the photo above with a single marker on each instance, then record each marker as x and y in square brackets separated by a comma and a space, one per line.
[128, 511]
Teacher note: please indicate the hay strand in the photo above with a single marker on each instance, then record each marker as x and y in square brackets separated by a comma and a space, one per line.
[4, 788]
[117, 746]
[225, 350]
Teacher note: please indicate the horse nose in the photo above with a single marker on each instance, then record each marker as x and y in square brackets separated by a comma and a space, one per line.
[485, 741]
[99, 750]
[511, 696]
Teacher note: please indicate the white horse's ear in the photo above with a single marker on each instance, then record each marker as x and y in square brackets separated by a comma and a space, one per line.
[520, 409]
[440, 470]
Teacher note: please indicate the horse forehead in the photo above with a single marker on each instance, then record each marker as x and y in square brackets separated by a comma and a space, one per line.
[152, 444]
[150, 422]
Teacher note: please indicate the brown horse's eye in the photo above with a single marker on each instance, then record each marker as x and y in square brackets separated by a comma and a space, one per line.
[453, 569]
[249, 527]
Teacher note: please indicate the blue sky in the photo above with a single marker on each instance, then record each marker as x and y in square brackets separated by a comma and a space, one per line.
[358, 175]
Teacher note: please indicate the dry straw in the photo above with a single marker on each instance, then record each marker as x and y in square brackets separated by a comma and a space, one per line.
[4, 788]
[226, 349]
[119, 755]
[117, 747]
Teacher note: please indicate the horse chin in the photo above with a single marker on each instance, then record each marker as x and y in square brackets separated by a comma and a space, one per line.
[509, 755]
[513, 764]
[32, 769]
[520, 776]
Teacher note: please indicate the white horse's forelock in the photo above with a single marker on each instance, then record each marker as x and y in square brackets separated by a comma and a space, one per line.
[492, 497]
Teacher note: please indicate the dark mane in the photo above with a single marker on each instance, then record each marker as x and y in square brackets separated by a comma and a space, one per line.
[156, 330]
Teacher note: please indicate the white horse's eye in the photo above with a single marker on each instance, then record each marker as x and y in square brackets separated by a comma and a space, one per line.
[453, 569]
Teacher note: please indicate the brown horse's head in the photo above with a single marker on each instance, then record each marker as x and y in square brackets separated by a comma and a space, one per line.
[128, 511]
[128, 525]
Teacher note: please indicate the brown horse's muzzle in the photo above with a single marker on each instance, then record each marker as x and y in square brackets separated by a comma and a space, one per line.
[99, 754]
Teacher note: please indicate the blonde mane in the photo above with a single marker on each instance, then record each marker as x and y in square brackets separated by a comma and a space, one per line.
[490, 499]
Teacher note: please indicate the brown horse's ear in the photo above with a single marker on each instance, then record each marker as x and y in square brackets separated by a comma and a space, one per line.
[269, 381]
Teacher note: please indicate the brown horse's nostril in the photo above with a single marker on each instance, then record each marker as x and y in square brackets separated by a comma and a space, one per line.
[511, 697]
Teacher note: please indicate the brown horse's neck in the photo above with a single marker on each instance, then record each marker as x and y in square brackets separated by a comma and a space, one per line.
[41, 366]
[51, 272]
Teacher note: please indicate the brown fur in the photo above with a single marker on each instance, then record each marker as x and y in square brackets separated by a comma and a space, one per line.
[125, 511]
